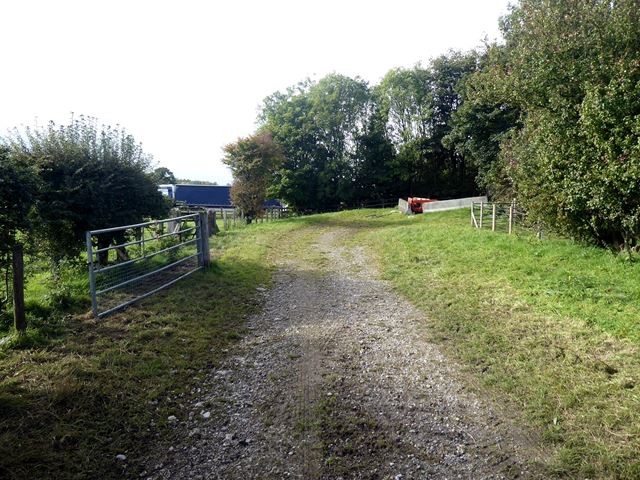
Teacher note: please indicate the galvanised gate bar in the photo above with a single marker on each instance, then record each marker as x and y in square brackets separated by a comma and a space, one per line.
[131, 262]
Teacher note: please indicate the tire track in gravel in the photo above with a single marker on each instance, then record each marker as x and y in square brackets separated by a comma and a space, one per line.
[334, 381]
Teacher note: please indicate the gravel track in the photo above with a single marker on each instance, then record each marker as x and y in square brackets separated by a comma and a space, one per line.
[334, 381]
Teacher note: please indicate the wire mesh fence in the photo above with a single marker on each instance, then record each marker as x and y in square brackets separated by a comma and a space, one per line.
[131, 262]
[504, 217]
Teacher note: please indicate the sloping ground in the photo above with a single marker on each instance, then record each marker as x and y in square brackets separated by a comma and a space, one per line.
[335, 380]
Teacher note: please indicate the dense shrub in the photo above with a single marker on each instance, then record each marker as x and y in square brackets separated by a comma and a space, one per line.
[88, 177]
[573, 70]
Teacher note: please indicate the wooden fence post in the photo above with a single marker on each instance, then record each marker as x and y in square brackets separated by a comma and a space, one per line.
[510, 218]
[493, 218]
[213, 223]
[472, 220]
[481, 213]
[19, 318]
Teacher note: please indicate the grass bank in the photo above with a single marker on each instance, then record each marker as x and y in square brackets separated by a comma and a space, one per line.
[551, 327]
[85, 391]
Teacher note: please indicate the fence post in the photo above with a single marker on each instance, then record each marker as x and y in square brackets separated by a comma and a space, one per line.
[481, 213]
[204, 239]
[19, 318]
[493, 218]
[510, 218]
[92, 276]
[213, 224]
[472, 222]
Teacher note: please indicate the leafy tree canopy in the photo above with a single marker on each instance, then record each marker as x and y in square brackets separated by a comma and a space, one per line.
[317, 124]
[89, 177]
[162, 175]
[418, 104]
[18, 188]
[345, 142]
[481, 123]
[573, 70]
[253, 161]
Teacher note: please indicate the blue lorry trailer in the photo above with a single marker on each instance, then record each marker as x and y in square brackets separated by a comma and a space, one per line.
[210, 196]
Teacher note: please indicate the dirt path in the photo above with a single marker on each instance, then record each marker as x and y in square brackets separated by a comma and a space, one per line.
[335, 381]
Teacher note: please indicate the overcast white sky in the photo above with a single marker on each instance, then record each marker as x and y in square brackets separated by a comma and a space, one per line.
[186, 77]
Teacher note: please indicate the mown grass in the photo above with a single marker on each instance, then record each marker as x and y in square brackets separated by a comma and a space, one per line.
[550, 327]
[70, 402]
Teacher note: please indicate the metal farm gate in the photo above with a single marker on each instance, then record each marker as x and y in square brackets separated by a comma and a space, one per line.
[129, 263]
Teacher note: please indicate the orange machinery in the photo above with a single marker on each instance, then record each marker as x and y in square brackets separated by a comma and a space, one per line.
[415, 203]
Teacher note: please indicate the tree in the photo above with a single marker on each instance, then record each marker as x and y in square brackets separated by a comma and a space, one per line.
[89, 177]
[481, 123]
[253, 161]
[18, 187]
[405, 102]
[187, 181]
[373, 176]
[419, 104]
[162, 175]
[317, 124]
[573, 69]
